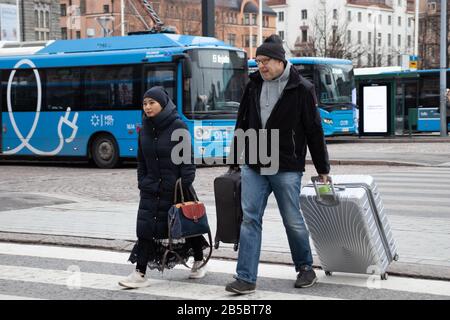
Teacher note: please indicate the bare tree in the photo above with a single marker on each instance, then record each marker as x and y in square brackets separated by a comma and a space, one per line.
[329, 37]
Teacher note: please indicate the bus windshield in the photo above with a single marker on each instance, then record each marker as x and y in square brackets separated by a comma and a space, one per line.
[336, 83]
[217, 83]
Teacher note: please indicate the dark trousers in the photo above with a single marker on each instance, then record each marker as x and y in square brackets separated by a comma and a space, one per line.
[146, 248]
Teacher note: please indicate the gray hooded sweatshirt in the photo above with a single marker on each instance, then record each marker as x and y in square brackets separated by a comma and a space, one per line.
[271, 92]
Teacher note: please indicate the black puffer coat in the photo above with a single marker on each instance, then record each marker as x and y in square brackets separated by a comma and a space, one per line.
[157, 173]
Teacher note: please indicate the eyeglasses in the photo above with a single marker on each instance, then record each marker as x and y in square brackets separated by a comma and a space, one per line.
[262, 61]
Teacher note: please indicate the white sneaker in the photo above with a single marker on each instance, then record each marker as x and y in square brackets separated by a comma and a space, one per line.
[197, 273]
[135, 280]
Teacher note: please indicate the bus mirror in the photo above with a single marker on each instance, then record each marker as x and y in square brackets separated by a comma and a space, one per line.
[186, 64]
[328, 79]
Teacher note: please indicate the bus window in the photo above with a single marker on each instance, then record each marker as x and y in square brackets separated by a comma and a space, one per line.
[217, 84]
[110, 88]
[23, 90]
[306, 71]
[163, 76]
[335, 83]
[63, 88]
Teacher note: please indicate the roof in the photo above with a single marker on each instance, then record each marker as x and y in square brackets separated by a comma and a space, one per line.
[148, 41]
[309, 60]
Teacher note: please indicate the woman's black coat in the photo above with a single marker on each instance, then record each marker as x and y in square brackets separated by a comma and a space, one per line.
[157, 173]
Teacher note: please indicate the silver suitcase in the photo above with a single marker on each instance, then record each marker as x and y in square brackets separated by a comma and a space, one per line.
[348, 225]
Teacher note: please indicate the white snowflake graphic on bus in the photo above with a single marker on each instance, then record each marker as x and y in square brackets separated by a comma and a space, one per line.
[102, 120]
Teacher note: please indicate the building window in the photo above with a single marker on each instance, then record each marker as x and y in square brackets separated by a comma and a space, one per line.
[106, 8]
[64, 33]
[47, 19]
[349, 16]
[335, 14]
[78, 34]
[246, 19]
[36, 18]
[232, 39]
[359, 37]
[389, 20]
[369, 16]
[349, 36]
[379, 60]
[254, 19]
[63, 10]
[399, 60]
[281, 16]
[399, 3]
[399, 41]
[379, 39]
[281, 34]
[380, 19]
[369, 59]
[41, 20]
[359, 17]
[265, 21]
[82, 7]
[304, 14]
[254, 40]
[399, 21]
[369, 38]
[389, 39]
[304, 36]
[389, 60]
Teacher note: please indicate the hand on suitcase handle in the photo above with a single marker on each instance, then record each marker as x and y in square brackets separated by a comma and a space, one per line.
[326, 195]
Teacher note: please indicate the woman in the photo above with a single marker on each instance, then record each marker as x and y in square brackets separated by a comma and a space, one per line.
[157, 175]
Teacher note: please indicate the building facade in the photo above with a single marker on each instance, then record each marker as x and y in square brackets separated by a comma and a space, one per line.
[369, 32]
[34, 20]
[429, 36]
[236, 20]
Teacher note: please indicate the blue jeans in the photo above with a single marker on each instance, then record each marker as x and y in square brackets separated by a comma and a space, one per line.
[256, 189]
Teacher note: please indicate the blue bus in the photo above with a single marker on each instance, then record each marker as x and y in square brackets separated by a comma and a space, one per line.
[83, 98]
[335, 89]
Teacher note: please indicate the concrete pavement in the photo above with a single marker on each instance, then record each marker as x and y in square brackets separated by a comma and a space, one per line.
[75, 221]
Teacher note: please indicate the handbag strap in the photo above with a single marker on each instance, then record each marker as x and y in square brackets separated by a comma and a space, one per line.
[179, 187]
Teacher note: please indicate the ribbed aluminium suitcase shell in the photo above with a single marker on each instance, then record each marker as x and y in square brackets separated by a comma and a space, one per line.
[227, 194]
[352, 235]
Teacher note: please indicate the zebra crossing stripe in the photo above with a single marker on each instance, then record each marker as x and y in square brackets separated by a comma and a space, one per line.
[167, 288]
[218, 266]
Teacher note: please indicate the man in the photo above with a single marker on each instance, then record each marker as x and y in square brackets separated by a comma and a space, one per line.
[278, 98]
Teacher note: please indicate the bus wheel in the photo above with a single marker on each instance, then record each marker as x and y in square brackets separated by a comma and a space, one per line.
[105, 152]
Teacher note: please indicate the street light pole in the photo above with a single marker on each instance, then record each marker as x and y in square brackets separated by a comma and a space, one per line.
[443, 86]
[122, 17]
[260, 22]
[416, 30]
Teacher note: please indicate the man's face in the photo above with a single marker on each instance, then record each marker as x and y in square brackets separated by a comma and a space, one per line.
[269, 68]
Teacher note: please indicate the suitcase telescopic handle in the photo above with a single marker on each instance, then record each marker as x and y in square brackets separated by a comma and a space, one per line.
[326, 193]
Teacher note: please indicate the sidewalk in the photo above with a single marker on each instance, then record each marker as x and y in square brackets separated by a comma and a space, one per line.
[107, 225]
[64, 220]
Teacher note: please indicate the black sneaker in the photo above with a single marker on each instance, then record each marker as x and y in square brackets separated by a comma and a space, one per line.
[305, 278]
[240, 287]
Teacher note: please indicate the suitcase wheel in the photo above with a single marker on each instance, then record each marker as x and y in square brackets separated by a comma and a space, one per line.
[216, 245]
[236, 246]
[396, 257]
[328, 273]
[384, 276]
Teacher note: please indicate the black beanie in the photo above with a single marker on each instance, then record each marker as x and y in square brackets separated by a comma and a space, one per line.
[158, 94]
[272, 47]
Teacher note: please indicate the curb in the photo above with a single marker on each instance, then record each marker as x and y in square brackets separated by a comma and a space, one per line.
[400, 269]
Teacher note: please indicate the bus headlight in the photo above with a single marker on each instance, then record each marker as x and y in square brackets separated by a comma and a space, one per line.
[201, 133]
[328, 121]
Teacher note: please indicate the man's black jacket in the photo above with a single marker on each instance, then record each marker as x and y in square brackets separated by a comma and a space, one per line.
[297, 118]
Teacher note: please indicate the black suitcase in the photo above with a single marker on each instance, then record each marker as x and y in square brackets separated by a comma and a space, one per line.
[227, 194]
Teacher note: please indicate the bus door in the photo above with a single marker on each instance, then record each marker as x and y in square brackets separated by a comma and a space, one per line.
[406, 98]
[163, 75]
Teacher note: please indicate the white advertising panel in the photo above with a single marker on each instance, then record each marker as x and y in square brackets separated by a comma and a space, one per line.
[9, 22]
[375, 109]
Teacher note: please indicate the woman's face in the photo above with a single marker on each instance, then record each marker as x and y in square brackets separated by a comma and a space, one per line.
[151, 107]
